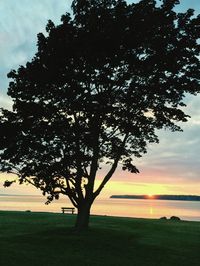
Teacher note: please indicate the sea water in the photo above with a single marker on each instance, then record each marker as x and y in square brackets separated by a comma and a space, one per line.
[186, 210]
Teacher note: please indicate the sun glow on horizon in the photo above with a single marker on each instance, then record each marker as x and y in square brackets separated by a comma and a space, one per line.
[150, 196]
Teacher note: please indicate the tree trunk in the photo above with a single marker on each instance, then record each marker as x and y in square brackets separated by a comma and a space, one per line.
[83, 216]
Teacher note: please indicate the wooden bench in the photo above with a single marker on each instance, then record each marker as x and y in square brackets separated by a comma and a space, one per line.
[68, 209]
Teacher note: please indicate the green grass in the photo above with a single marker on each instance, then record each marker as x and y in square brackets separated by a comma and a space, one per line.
[47, 239]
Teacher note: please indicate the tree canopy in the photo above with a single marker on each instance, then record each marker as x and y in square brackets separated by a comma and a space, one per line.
[98, 87]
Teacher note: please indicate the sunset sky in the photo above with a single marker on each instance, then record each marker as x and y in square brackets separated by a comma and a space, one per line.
[170, 167]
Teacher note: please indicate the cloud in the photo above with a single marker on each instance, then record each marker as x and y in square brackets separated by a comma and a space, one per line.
[5, 102]
[175, 160]
[20, 22]
[175, 157]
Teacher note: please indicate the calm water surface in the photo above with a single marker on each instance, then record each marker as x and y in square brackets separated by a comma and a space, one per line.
[186, 210]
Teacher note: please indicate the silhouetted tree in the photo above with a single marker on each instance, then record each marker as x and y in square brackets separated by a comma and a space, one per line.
[98, 87]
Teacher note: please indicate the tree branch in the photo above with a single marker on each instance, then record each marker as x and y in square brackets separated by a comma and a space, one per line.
[112, 170]
[78, 164]
[94, 163]
[69, 193]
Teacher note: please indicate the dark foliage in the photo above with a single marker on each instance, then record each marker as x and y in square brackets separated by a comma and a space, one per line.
[98, 87]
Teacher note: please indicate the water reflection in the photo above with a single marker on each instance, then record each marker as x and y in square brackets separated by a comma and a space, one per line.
[151, 210]
[187, 210]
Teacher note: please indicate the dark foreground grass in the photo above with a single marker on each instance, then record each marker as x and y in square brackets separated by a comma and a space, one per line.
[47, 239]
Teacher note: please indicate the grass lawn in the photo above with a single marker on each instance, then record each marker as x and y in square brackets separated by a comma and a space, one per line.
[47, 239]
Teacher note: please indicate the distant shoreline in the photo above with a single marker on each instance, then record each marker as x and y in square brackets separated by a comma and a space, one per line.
[158, 197]
[18, 195]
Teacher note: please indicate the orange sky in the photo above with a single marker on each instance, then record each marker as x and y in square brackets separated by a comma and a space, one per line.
[123, 183]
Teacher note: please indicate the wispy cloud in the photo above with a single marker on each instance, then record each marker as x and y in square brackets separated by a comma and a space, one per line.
[20, 21]
[5, 102]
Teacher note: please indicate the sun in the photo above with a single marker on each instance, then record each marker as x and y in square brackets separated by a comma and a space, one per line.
[150, 196]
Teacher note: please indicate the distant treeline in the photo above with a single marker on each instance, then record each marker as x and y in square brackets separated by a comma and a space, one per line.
[159, 197]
